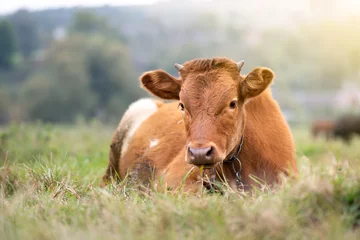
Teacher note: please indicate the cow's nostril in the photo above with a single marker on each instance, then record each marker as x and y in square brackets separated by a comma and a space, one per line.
[191, 153]
[210, 152]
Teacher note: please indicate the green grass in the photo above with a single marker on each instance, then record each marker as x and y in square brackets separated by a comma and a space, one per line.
[49, 178]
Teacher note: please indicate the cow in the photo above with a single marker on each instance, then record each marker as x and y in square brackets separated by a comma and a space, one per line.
[220, 121]
[325, 127]
[347, 126]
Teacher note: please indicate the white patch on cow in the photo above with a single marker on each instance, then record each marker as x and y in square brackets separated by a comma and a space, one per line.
[136, 114]
[153, 143]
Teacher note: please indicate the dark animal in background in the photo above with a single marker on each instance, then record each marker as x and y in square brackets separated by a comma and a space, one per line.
[323, 127]
[346, 127]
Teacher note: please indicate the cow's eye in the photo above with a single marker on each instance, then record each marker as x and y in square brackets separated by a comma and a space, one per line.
[181, 106]
[232, 105]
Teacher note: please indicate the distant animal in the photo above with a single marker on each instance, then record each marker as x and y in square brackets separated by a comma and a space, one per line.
[221, 120]
[346, 127]
[323, 127]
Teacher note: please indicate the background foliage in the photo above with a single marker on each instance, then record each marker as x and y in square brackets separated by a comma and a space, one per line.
[60, 64]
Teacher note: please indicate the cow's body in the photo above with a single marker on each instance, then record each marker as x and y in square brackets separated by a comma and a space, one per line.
[158, 146]
[346, 127]
[325, 127]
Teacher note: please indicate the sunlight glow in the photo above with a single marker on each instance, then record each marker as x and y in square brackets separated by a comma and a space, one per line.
[9, 6]
[341, 7]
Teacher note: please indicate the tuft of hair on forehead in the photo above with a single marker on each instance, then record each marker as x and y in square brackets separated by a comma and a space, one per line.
[208, 64]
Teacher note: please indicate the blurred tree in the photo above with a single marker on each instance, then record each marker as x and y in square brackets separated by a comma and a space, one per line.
[60, 91]
[80, 76]
[26, 32]
[88, 23]
[85, 74]
[109, 68]
[7, 45]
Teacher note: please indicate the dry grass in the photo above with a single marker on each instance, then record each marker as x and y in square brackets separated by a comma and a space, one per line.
[48, 190]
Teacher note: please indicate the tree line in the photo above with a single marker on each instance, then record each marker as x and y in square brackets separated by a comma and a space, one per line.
[58, 65]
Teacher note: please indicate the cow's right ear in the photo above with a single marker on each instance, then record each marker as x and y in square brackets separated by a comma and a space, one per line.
[161, 84]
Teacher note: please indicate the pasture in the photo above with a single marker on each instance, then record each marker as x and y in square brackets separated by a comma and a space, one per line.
[49, 177]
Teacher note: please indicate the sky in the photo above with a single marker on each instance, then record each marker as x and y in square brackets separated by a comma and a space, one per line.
[8, 6]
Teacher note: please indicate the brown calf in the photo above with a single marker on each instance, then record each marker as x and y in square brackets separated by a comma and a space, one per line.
[215, 110]
[325, 127]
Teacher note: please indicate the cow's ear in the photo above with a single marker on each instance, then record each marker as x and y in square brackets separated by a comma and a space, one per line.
[161, 84]
[256, 82]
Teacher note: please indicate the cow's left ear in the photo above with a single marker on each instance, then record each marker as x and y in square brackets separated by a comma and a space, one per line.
[256, 82]
[161, 84]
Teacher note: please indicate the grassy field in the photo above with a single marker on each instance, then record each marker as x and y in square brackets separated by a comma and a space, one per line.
[49, 178]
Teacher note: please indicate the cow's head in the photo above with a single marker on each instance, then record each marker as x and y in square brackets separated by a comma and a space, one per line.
[212, 95]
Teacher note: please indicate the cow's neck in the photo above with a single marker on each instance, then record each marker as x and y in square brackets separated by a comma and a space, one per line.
[256, 136]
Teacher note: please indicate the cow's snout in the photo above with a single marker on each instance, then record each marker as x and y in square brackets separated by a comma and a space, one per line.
[202, 155]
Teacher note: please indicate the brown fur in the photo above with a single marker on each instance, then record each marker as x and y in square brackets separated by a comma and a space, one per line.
[206, 87]
[325, 127]
[347, 126]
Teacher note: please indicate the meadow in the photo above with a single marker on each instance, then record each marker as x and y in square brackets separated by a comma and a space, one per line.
[49, 178]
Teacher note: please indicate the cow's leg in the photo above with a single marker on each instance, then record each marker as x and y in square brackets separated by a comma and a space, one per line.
[137, 112]
[182, 175]
[114, 158]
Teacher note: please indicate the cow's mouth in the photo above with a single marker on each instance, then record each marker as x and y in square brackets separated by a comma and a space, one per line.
[205, 166]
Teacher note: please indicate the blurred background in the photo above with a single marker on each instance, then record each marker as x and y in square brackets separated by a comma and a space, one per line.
[62, 62]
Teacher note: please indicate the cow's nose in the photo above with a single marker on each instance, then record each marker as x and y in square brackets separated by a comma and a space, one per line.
[201, 156]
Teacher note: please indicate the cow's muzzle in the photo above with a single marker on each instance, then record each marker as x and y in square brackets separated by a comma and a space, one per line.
[202, 155]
